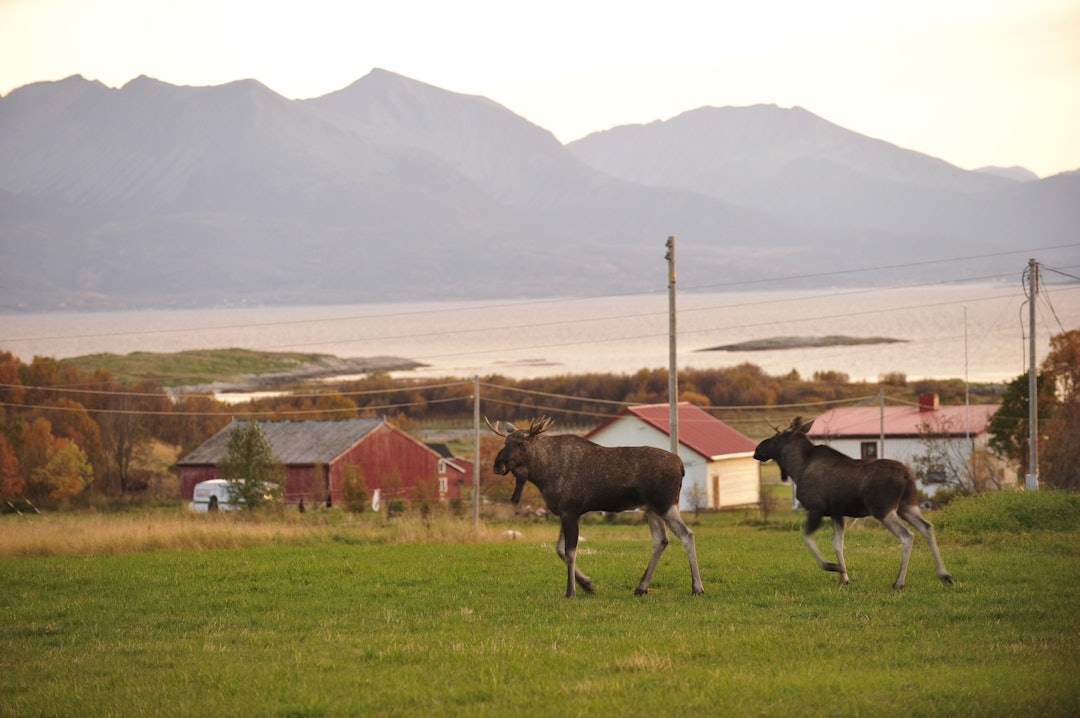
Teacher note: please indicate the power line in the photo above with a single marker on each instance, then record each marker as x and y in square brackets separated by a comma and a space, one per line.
[906, 265]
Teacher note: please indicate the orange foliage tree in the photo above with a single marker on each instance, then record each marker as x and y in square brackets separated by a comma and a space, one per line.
[12, 482]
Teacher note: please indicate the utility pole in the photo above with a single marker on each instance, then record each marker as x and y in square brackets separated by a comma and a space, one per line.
[476, 454]
[967, 395]
[881, 422]
[1031, 481]
[673, 370]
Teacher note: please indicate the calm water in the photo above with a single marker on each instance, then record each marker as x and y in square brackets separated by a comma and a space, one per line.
[948, 330]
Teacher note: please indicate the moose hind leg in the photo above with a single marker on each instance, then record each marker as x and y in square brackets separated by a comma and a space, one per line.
[659, 543]
[567, 550]
[838, 548]
[892, 522]
[678, 527]
[913, 516]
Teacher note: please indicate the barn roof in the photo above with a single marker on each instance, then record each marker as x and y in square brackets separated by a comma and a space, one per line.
[698, 430]
[293, 442]
[901, 421]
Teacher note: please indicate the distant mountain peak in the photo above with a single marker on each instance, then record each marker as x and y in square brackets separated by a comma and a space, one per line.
[1016, 173]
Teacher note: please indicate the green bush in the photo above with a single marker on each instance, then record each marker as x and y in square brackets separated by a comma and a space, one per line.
[1011, 512]
[354, 488]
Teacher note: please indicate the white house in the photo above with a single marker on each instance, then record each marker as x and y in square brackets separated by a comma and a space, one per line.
[900, 433]
[719, 460]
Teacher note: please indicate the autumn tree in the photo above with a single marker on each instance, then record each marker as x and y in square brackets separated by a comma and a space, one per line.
[55, 468]
[1059, 456]
[1058, 387]
[11, 388]
[65, 473]
[71, 420]
[128, 417]
[35, 442]
[1008, 429]
[195, 417]
[12, 483]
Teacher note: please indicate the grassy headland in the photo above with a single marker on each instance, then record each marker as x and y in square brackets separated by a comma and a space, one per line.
[230, 366]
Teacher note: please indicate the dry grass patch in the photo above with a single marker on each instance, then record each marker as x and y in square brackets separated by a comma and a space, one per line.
[78, 534]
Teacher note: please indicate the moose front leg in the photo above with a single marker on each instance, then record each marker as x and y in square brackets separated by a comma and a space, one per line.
[813, 521]
[567, 549]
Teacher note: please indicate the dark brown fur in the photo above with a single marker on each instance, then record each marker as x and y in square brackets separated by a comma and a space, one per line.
[576, 476]
[828, 483]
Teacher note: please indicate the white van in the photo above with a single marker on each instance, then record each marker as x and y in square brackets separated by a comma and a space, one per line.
[213, 495]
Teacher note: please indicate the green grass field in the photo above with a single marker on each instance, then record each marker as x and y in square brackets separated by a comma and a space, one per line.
[342, 621]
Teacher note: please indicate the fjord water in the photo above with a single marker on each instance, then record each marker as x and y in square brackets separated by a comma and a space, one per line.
[948, 332]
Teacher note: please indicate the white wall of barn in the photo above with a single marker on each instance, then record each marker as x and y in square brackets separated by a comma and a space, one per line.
[734, 481]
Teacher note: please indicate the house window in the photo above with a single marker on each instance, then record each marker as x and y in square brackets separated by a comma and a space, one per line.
[443, 486]
[868, 449]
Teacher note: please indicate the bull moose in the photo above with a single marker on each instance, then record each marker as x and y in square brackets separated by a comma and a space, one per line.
[576, 476]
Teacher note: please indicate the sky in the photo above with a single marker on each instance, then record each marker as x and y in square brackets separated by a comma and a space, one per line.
[973, 82]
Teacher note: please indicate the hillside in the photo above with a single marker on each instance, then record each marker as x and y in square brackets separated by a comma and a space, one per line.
[154, 195]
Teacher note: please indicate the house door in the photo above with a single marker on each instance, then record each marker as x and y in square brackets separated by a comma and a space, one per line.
[715, 491]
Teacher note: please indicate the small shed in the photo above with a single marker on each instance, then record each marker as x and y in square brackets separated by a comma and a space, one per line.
[316, 455]
[720, 468]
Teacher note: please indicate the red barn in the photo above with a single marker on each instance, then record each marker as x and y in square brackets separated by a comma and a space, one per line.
[316, 453]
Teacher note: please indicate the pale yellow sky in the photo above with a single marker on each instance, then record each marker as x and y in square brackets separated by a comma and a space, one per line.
[974, 82]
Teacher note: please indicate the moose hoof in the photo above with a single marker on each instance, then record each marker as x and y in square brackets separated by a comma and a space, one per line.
[946, 579]
[898, 585]
[834, 567]
[699, 591]
[639, 591]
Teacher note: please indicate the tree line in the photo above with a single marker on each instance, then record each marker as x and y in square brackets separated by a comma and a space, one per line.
[64, 430]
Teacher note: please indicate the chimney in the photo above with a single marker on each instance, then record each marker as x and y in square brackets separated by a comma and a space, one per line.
[928, 402]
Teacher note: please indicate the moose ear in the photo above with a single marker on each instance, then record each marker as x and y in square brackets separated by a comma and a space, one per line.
[805, 428]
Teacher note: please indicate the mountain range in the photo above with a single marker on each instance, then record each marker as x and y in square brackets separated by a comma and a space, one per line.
[155, 195]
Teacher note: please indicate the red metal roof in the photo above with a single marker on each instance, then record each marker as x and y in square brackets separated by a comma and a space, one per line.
[901, 421]
[698, 430]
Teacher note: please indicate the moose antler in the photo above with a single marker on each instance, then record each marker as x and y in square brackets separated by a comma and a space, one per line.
[496, 427]
[539, 426]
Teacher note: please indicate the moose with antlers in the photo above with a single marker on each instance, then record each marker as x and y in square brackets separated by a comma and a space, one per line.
[576, 476]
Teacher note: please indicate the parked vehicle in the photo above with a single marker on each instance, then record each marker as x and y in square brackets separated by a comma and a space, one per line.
[214, 495]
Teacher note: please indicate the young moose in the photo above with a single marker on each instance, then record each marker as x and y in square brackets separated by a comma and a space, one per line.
[576, 476]
[828, 483]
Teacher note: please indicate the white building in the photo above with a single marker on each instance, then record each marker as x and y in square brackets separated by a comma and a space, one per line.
[719, 460]
[900, 432]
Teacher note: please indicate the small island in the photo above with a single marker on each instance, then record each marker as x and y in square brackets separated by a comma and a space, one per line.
[774, 343]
